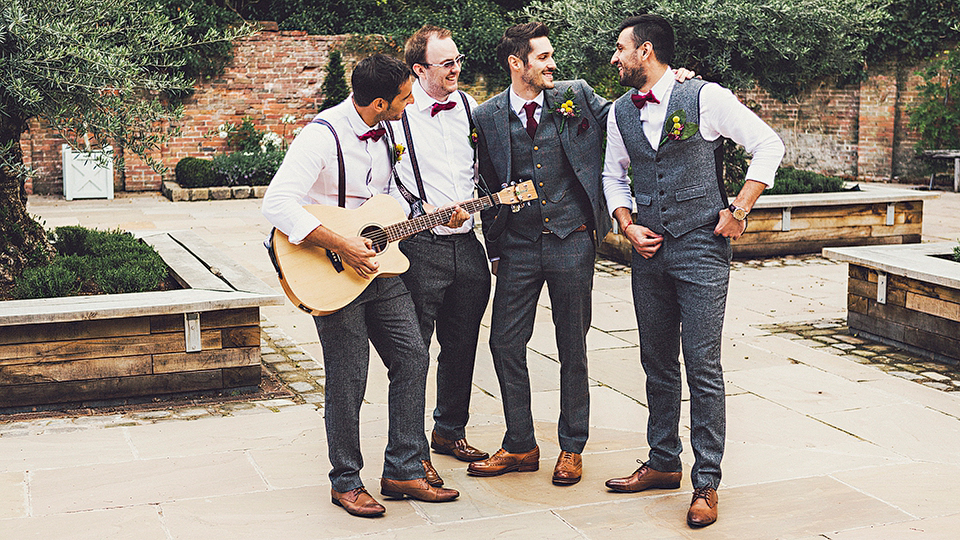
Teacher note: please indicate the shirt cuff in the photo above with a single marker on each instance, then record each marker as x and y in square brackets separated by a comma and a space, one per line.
[302, 228]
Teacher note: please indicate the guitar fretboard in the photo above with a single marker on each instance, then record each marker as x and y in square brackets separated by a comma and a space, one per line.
[410, 227]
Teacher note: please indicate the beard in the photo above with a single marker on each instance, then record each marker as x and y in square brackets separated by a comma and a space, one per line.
[634, 78]
[537, 79]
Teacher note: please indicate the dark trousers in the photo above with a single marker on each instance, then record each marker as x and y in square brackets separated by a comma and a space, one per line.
[566, 265]
[680, 295]
[383, 315]
[449, 282]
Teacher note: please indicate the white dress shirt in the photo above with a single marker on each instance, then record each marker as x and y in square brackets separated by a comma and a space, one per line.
[721, 115]
[517, 103]
[444, 154]
[309, 173]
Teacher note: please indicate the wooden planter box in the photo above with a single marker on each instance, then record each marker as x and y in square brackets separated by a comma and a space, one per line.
[807, 223]
[906, 296]
[109, 347]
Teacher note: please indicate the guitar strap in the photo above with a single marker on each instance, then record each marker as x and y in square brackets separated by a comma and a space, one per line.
[416, 205]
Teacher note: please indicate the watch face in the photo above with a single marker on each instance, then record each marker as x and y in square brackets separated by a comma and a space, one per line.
[740, 214]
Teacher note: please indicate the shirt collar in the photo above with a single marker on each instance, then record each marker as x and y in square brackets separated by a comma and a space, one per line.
[664, 87]
[356, 121]
[517, 102]
[421, 99]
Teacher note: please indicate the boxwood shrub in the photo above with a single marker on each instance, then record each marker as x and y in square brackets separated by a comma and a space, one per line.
[789, 181]
[194, 172]
[89, 261]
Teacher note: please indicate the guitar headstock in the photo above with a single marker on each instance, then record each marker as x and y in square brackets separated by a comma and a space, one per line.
[524, 191]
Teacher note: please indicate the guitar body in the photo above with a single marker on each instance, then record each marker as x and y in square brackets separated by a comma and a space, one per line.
[308, 276]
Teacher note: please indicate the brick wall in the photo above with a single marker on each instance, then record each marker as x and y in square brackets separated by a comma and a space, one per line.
[272, 74]
[857, 130]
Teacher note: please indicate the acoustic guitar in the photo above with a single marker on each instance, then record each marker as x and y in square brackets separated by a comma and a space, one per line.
[317, 281]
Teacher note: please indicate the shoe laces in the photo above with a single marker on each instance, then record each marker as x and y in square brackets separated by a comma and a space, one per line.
[702, 493]
[643, 465]
[566, 456]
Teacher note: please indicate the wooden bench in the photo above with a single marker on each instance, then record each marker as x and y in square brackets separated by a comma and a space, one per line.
[946, 154]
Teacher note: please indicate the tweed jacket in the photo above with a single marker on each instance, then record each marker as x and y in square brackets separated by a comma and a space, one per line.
[581, 140]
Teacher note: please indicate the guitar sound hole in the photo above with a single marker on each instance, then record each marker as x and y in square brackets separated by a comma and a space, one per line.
[377, 235]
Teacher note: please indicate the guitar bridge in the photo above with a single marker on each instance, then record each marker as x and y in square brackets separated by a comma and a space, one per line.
[335, 261]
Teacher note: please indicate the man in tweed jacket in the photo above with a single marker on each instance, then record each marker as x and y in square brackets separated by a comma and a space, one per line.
[523, 135]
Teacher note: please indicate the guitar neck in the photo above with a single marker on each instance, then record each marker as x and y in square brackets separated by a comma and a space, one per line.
[410, 227]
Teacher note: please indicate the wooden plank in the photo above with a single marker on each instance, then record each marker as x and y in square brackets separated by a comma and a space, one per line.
[862, 273]
[930, 341]
[867, 323]
[32, 333]
[914, 319]
[57, 351]
[96, 368]
[204, 360]
[111, 388]
[241, 376]
[234, 274]
[866, 289]
[857, 304]
[932, 290]
[933, 306]
[244, 336]
[208, 320]
[746, 248]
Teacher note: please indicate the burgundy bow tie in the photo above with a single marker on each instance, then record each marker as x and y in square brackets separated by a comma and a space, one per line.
[374, 134]
[437, 107]
[641, 100]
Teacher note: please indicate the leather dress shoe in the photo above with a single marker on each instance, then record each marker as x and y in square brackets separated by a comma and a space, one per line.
[431, 474]
[645, 478]
[357, 502]
[504, 462]
[703, 507]
[568, 470]
[459, 448]
[418, 488]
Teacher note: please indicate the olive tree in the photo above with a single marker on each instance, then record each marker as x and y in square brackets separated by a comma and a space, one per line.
[94, 70]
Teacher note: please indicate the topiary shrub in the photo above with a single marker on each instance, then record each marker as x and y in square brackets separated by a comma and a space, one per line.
[247, 168]
[193, 172]
[89, 261]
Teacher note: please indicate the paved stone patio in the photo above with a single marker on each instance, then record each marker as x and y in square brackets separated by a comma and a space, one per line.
[821, 442]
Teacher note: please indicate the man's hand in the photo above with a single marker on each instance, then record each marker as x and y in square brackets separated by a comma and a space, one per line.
[729, 226]
[358, 253]
[458, 218]
[684, 74]
[645, 241]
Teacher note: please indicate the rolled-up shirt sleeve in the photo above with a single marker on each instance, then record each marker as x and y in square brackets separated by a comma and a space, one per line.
[304, 166]
[722, 114]
[616, 163]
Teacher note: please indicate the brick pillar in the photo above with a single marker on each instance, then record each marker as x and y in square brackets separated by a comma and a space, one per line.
[878, 100]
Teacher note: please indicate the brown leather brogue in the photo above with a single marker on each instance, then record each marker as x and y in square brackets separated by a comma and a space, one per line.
[504, 462]
[703, 507]
[431, 474]
[357, 502]
[459, 448]
[645, 478]
[568, 470]
[418, 488]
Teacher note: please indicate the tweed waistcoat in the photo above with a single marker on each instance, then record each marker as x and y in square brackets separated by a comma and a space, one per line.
[676, 187]
[562, 205]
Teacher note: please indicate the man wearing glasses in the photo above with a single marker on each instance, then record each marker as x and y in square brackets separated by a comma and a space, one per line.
[448, 276]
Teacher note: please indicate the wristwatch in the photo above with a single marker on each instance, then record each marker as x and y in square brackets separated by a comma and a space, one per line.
[739, 213]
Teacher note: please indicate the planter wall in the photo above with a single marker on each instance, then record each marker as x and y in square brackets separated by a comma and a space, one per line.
[906, 296]
[111, 347]
[807, 223]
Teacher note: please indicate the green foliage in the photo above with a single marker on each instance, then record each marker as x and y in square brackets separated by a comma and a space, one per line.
[209, 58]
[781, 44]
[91, 261]
[915, 30]
[936, 114]
[335, 88]
[956, 253]
[476, 24]
[247, 168]
[789, 181]
[194, 172]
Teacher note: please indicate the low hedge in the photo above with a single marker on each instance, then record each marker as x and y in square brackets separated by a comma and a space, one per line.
[234, 169]
[790, 181]
[89, 261]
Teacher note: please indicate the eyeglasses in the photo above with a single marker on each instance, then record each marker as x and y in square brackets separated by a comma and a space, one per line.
[449, 63]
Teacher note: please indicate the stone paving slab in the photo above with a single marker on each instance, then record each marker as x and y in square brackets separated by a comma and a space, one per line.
[822, 442]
